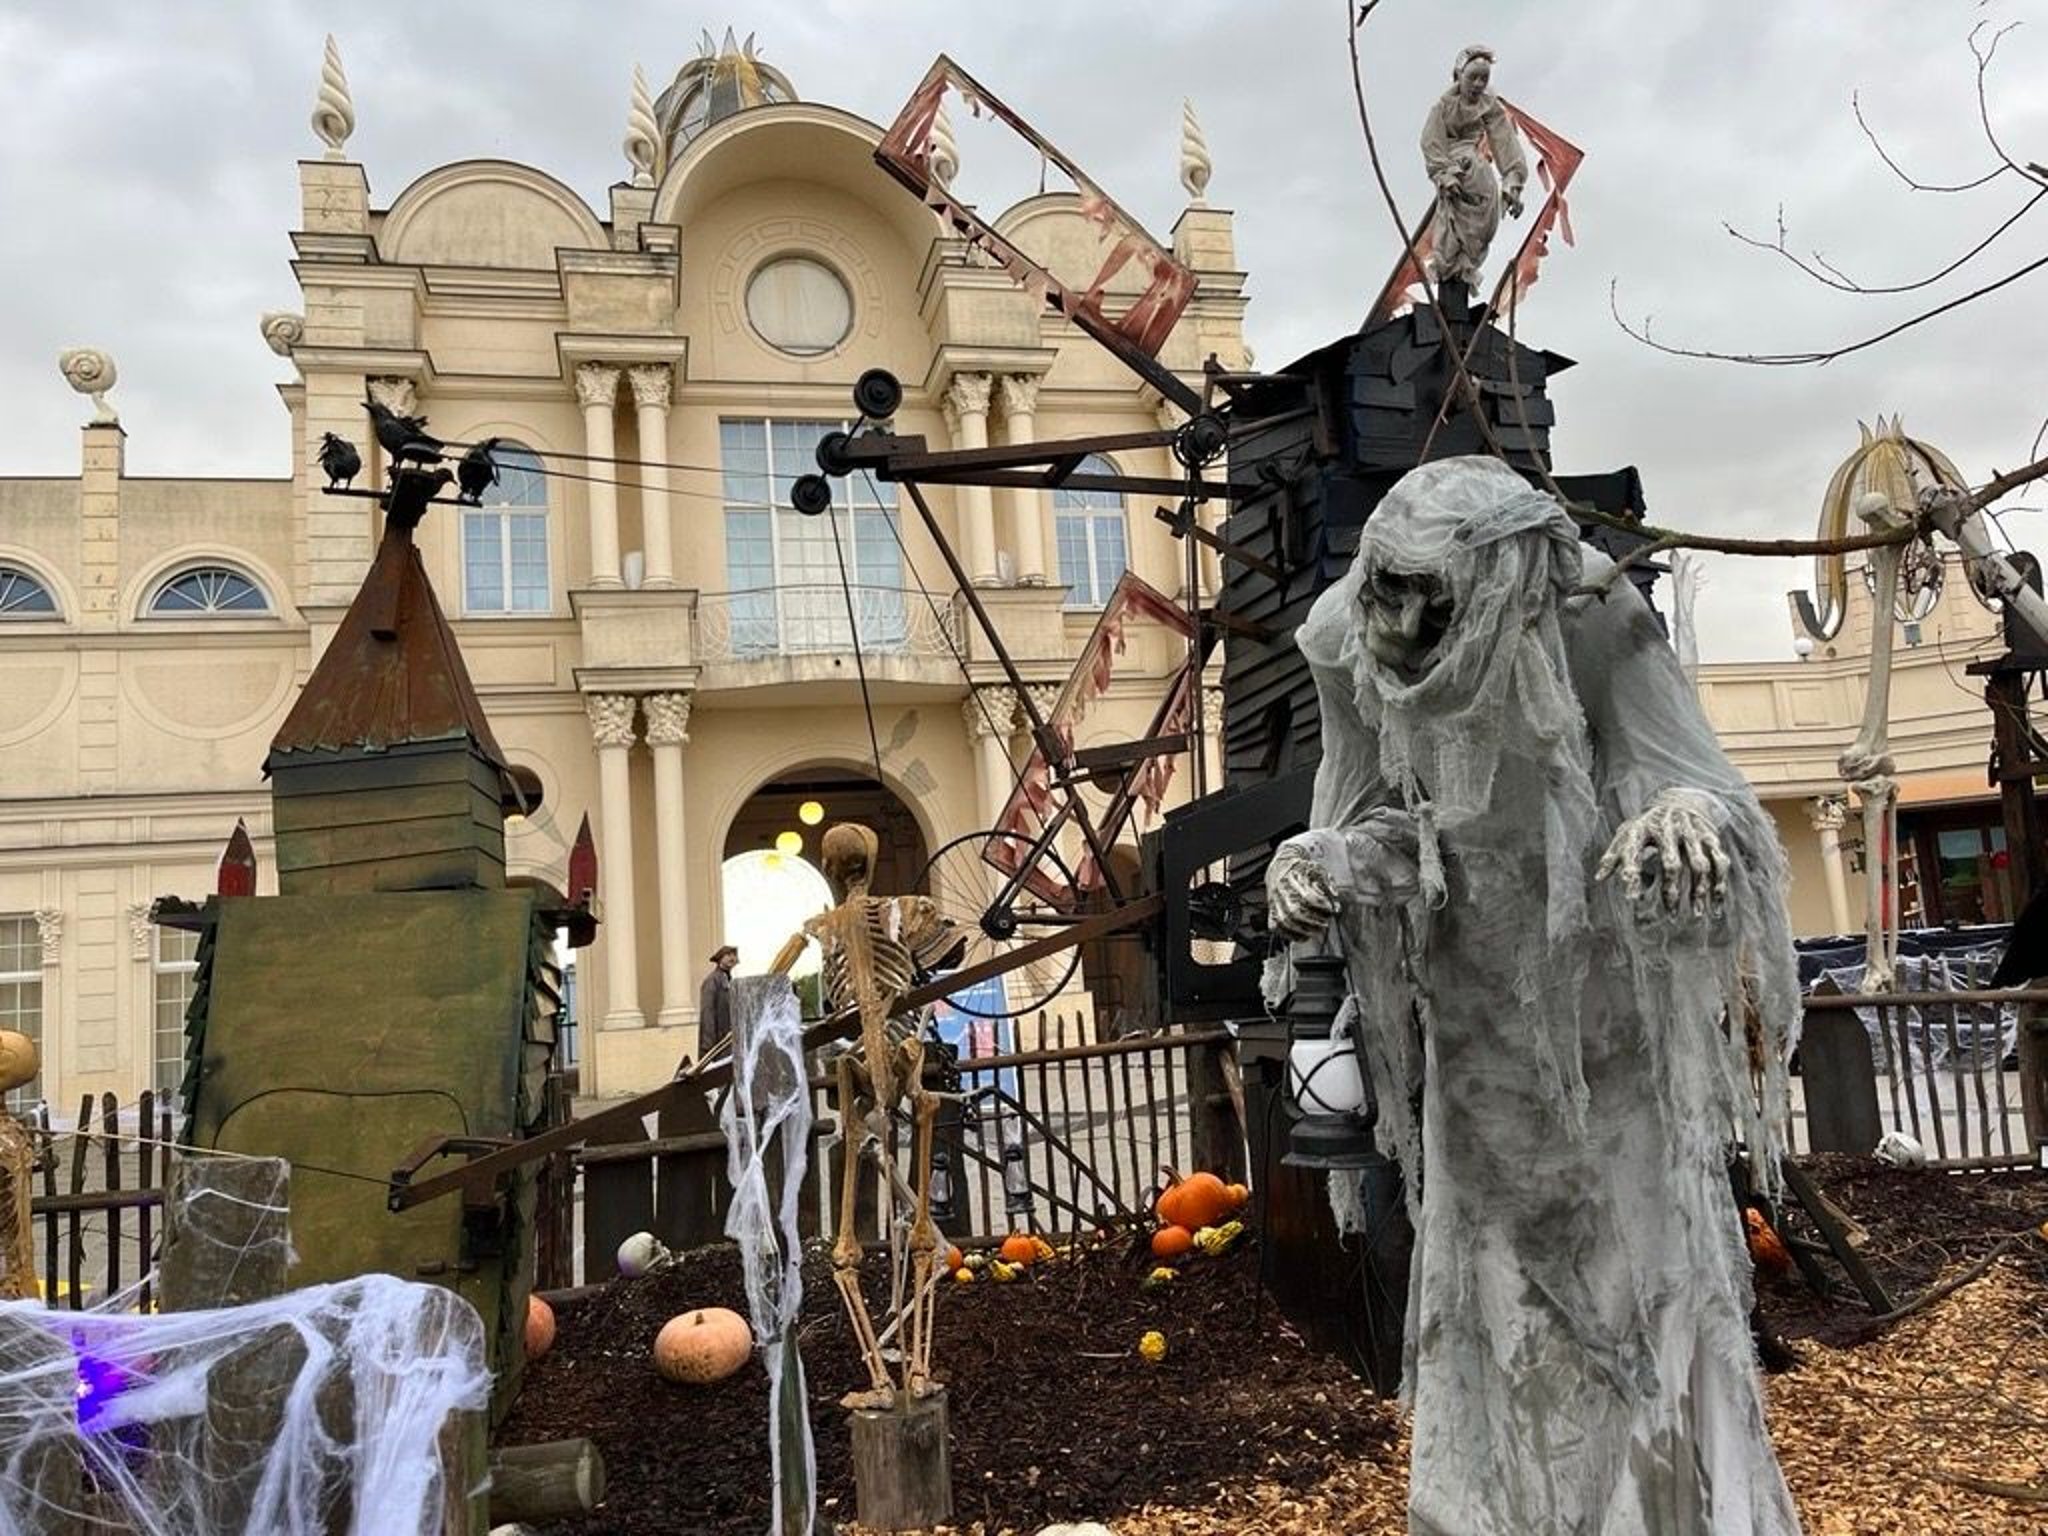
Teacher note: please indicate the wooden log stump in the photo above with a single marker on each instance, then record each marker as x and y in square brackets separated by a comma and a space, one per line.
[554, 1480]
[902, 1473]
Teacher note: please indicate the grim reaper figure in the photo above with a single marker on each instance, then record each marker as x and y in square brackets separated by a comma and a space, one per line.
[1562, 1058]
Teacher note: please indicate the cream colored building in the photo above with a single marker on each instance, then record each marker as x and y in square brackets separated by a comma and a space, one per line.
[1785, 724]
[657, 639]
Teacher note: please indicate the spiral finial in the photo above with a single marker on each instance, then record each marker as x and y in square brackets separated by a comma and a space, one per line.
[283, 329]
[643, 133]
[1194, 154]
[334, 115]
[91, 372]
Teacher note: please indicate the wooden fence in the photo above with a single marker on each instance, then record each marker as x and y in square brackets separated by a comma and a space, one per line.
[1058, 1131]
[1939, 1066]
[99, 1214]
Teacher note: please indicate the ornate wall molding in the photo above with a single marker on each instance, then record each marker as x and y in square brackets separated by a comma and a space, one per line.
[50, 929]
[1019, 393]
[611, 718]
[399, 395]
[968, 395]
[140, 931]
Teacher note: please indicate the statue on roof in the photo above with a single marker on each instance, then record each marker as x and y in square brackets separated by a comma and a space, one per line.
[1466, 140]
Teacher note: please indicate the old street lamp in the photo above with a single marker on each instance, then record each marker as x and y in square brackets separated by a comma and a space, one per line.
[1332, 1108]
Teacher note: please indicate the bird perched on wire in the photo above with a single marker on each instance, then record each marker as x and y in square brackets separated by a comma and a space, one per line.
[404, 438]
[477, 472]
[339, 460]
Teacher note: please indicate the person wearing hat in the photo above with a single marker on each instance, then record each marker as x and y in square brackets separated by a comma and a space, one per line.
[714, 1000]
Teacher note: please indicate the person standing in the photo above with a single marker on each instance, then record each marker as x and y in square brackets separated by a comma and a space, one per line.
[714, 1000]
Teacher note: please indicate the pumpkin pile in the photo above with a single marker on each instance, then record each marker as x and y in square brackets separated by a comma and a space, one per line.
[1196, 1213]
[1019, 1251]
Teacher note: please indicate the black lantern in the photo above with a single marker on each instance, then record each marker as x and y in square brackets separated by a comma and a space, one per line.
[1327, 1090]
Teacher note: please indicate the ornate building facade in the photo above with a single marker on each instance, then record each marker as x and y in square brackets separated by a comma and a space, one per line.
[658, 640]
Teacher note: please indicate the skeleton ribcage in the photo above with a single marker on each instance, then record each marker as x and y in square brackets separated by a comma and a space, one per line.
[869, 966]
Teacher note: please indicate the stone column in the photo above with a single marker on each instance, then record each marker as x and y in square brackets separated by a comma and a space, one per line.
[597, 387]
[991, 715]
[650, 398]
[1027, 508]
[668, 721]
[966, 406]
[1827, 813]
[611, 728]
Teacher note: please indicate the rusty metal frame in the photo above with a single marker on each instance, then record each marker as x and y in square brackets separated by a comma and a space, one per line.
[1135, 337]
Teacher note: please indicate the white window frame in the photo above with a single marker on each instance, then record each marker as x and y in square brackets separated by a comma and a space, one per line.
[161, 968]
[152, 609]
[16, 582]
[29, 1093]
[1094, 510]
[504, 514]
[802, 609]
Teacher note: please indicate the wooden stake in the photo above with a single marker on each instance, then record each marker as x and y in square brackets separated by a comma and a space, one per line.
[902, 1474]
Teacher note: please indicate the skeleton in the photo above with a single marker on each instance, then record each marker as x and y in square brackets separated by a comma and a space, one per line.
[875, 949]
[18, 1065]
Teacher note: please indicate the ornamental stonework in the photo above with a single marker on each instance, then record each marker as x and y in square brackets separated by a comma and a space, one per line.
[611, 718]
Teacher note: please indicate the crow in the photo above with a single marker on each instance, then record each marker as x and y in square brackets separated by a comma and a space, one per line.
[338, 457]
[477, 472]
[404, 437]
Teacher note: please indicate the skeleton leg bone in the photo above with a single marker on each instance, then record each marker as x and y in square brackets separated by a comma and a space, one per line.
[924, 1234]
[846, 1249]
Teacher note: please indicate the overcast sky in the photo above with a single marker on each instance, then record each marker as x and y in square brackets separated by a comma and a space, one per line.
[147, 186]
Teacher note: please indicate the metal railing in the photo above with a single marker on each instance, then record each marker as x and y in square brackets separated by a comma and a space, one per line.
[811, 619]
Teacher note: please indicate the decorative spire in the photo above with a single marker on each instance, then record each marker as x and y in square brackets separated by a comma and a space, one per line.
[91, 372]
[334, 115]
[643, 134]
[1194, 154]
[944, 162]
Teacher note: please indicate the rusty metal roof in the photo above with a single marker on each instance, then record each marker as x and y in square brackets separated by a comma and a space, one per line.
[393, 673]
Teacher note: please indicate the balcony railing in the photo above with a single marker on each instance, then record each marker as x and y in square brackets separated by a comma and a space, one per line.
[812, 620]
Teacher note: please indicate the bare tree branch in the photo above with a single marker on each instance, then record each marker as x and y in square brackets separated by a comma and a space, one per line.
[1833, 276]
[1856, 106]
[1807, 359]
[1984, 57]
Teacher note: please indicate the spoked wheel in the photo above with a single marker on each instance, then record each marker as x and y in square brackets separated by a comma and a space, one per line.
[963, 883]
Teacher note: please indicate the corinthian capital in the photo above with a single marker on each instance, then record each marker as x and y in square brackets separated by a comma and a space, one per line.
[401, 397]
[596, 383]
[611, 718]
[1828, 813]
[50, 930]
[1019, 393]
[668, 719]
[968, 395]
[990, 712]
[651, 383]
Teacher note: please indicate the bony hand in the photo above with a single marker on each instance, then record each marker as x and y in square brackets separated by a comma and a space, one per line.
[1301, 899]
[1677, 832]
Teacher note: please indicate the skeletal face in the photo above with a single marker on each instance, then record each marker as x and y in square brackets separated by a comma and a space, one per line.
[1406, 615]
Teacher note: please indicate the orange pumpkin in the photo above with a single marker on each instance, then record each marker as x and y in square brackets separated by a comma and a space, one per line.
[703, 1346]
[540, 1327]
[1171, 1242]
[1024, 1248]
[1239, 1195]
[1199, 1200]
[955, 1259]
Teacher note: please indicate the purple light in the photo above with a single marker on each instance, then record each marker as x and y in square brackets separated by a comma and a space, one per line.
[99, 1383]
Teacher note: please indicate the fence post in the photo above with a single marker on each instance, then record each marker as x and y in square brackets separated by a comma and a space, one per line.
[1217, 1136]
[2033, 1054]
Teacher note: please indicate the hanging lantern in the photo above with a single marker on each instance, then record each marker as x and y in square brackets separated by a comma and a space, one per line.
[789, 844]
[1326, 1087]
[810, 813]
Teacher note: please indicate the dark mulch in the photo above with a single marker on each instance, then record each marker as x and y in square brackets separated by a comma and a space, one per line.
[1919, 1226]
[1053, 1414]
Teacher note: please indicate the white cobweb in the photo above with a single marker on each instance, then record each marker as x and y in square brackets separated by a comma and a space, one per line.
[313, 1411]
[767, 1123]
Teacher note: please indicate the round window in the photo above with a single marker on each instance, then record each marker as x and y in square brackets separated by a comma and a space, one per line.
[799, 306]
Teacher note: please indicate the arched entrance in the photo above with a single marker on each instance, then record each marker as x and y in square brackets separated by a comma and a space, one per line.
[770, 878]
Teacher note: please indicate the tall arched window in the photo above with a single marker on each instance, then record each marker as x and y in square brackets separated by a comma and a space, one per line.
[23, 597]
[505, 541]
[208, 589]
[1089, 528]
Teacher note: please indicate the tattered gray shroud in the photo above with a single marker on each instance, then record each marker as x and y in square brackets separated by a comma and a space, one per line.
[1555, 1066]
